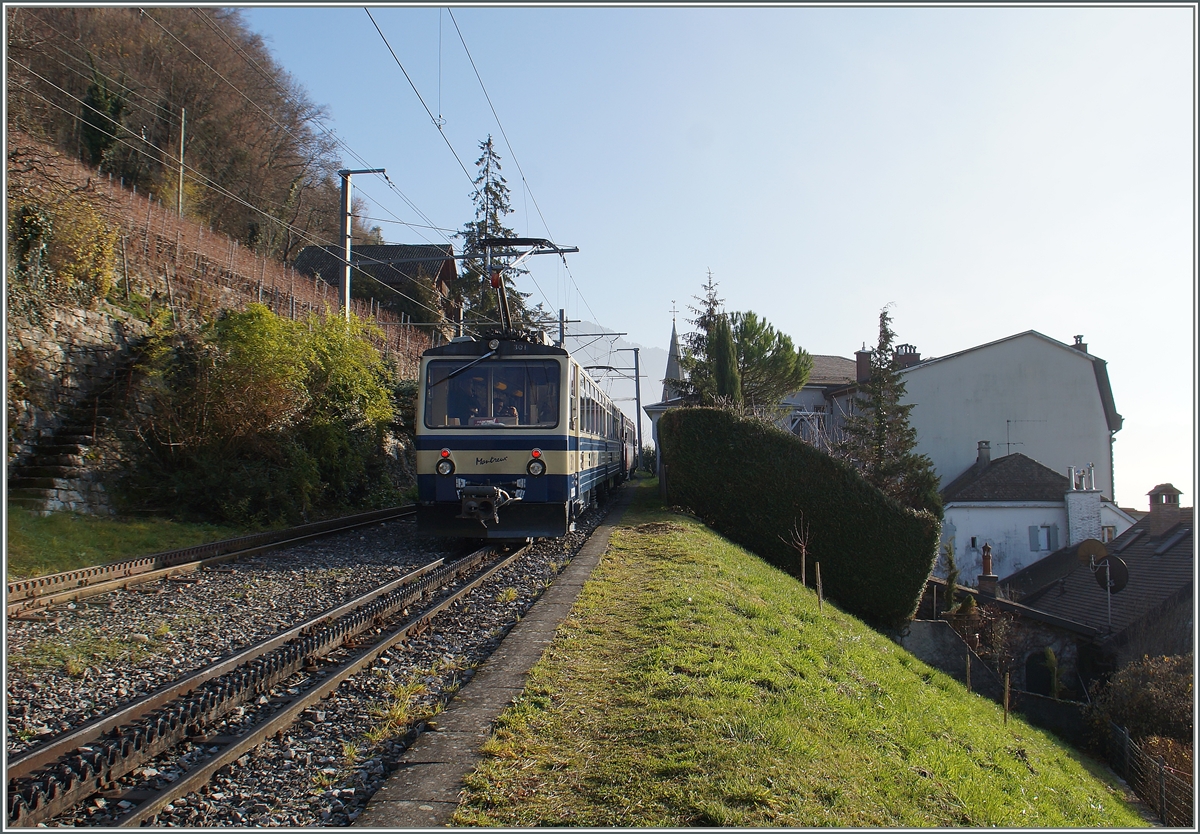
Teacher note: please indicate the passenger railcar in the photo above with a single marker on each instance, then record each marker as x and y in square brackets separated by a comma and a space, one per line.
[514, 439]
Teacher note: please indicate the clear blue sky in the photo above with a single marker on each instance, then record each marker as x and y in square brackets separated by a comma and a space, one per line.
[986, 170]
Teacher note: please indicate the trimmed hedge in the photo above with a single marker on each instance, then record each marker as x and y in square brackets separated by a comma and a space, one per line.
[750, 481]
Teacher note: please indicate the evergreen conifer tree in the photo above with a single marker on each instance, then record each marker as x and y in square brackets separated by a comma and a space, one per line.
[877, 438]
[727, 383]
[699, 385]
[474, 287]
[102, 111]
[738, 359]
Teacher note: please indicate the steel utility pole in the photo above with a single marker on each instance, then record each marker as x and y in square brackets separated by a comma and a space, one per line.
[637, 397]
[344, 290]
[637, 394]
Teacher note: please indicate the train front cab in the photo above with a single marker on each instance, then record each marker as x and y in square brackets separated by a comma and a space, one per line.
[482, 424]
[493, 455]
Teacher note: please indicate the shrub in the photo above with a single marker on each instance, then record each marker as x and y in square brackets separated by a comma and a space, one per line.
[1150, 697]
[61, 243]
[649, 458]
[82, 249]
[750, 481]
[259, 419]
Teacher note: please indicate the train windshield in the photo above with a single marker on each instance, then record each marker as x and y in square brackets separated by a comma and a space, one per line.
[493, 393]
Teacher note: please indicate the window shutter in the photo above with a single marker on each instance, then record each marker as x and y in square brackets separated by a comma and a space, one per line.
[1033, 539]
[1052, 537]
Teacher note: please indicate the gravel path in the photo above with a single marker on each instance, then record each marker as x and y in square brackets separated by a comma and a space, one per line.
[322, 771]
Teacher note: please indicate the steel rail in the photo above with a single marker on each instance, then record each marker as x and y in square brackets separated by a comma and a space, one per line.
[28, 595]
[58, 786]
[290, 709]
[27, 761]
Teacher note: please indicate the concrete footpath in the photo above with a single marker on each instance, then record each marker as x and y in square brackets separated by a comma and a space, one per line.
[423, 791]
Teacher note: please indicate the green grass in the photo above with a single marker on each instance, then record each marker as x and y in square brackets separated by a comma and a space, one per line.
[75, 655]
[59, 542]
[694, 685]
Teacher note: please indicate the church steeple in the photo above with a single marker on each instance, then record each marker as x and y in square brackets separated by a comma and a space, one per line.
[673, 373]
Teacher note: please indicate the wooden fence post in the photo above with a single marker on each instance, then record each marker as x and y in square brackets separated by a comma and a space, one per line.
[1162, 789]
[1006, 697]
[125, 267]
[968, 673]
[820, 589]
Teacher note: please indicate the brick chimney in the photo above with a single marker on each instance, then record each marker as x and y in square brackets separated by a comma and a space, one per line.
[862, 360]
[1164, 508]
[1080, 344]
[906, 355]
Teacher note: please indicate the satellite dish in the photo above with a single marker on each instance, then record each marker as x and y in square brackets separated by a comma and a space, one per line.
[1116, 574]
[1091, 551]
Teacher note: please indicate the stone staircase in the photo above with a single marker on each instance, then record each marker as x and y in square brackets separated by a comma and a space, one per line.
[61, 473]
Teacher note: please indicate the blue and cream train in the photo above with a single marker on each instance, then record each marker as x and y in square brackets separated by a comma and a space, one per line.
[514, 440]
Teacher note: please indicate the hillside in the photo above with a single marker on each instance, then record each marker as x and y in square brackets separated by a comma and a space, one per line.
[694, 685]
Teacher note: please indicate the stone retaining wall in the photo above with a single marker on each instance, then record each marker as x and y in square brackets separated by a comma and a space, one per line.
[56, 357]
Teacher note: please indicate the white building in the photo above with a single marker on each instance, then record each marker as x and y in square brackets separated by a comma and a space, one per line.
[809, 409]
[1024, 510]
[1027, 393]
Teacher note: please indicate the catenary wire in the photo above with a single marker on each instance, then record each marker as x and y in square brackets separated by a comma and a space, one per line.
[437, 124]
[321, 126]
[264, 112]
[423, 104]
[170, 115]
[204, 180]
[216, 187]
[517, 162]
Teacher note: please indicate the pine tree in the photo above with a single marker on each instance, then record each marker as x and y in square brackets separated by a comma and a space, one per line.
[474, 287]
[738, 359]
[769, 365]
[699, 385]
[727, 383]
[102, 111]
[877, 437]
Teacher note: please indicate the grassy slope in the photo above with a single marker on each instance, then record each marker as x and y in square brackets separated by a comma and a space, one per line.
[693, 684]
[38, 545]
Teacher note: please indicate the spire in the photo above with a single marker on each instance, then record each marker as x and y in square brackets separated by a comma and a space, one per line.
[670, 391]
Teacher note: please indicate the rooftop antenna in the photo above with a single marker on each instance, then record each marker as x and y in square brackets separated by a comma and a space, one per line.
[1111, 572]
[1008, 444]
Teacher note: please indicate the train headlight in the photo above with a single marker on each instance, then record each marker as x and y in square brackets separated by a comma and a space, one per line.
[536, 467]
[445, 466]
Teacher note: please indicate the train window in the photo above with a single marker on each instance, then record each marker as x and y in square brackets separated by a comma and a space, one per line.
[493, 393]
[574, 395]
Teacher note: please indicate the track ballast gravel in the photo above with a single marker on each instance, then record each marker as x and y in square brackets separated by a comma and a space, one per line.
[323, 770]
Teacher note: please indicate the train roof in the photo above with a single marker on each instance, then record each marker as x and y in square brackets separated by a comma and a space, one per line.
[504, 348]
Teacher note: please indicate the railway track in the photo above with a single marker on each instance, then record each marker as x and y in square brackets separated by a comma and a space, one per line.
[95, 762]
[29, 598]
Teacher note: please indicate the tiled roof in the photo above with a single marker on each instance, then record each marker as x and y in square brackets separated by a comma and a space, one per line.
[418, 261]
[832, 369]
[1160, 568]
[1013, 477]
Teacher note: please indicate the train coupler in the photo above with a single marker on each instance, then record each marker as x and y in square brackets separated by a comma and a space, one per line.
[483, 502]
